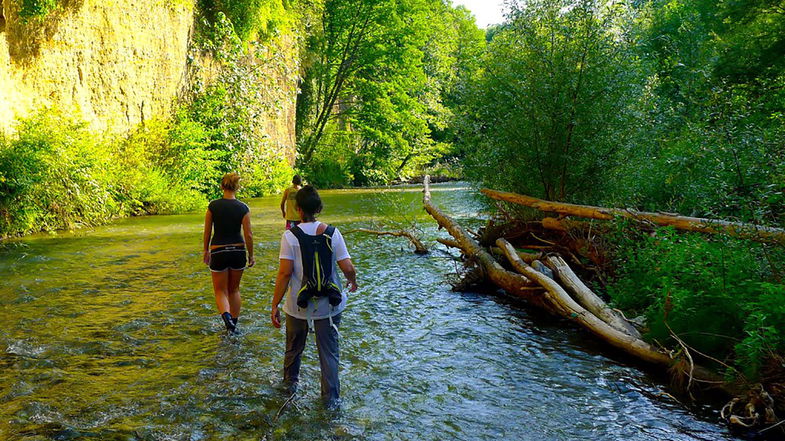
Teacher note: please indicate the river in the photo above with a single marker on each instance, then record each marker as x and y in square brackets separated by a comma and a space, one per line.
[111, 333]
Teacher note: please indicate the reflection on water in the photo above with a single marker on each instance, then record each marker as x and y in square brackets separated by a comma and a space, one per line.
[112, 333]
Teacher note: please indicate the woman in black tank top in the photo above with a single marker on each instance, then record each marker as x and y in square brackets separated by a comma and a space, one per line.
[225, 252]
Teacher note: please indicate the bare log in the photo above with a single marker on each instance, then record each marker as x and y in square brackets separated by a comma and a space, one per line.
[754, 232]
[419, 247]
[587, 298]
[526, 257]
[551, 223]
[448, 243]
[632, 345]
[511, 282]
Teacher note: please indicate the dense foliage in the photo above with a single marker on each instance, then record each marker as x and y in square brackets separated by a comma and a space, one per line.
[723, 297]
[380, 81]
[549, 112]
[250, 20]
[664, 105]
[29, 9]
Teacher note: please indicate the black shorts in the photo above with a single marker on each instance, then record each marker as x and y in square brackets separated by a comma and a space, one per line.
[227, 257]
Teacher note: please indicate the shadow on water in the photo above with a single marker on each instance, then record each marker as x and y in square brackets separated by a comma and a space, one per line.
[111, 333]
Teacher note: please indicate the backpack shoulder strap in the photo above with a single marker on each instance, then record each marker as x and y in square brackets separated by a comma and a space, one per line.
[299, 234]
[329, 231]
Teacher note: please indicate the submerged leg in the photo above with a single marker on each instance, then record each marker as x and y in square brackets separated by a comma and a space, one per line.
[221, 289]
[296, 335]
[327, 344]
[234, 292]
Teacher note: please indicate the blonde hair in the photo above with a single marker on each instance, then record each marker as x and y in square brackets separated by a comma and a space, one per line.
[231, 181]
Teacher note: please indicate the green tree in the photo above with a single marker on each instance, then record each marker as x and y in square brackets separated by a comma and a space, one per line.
[379, 85]
[550, 113]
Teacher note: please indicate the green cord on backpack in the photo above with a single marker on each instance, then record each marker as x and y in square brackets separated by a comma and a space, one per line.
[317, 257]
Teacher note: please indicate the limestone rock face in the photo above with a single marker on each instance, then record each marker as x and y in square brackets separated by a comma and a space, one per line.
[114, 63]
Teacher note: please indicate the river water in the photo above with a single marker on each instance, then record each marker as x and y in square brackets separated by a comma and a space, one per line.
[111, 333]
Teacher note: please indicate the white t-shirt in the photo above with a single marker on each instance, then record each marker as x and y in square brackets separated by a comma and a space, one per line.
[290, 250]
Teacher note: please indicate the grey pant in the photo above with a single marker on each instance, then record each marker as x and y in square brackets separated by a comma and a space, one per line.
[327, 346]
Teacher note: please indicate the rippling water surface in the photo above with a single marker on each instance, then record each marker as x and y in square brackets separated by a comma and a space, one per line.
[112, 333]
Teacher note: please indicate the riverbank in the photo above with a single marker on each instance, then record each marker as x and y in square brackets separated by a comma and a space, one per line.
[695, 297]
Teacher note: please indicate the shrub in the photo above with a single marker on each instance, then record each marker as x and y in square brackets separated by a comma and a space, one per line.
[148, 180]
[722, 296]
[326, 172]
[53, 175]
[36, 8]
[249, 19]
[264, 175]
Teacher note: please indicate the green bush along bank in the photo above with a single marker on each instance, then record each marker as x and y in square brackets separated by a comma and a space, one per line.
[723, 297]
[56, 174]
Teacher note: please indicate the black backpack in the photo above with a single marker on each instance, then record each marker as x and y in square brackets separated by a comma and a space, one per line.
[317, 257]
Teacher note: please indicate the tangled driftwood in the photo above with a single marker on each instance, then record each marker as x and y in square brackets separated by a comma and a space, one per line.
[611, 328]
[564, 294]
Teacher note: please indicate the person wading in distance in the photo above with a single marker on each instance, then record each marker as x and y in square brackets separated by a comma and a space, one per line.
[225, 253]
[288, 204]
[310, 254]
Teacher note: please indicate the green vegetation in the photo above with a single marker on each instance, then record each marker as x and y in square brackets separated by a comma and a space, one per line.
[56, 174]
[382, 112]
[547, 116]
[662, 105]
[29, 9]
[717, 294]
[250, 20]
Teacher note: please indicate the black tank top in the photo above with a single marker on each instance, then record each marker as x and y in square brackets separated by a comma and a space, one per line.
[227, 218]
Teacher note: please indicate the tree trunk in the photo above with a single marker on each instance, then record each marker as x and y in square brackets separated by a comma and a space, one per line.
[754, 232]
[626, 342]
[513, 283]
[587, 298]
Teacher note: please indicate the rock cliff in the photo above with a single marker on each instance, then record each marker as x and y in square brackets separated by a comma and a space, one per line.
[114, 63]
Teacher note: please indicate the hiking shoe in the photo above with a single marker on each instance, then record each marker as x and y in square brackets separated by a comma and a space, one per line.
[231, 324]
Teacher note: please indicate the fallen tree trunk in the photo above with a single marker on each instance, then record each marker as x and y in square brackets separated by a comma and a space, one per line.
[587, 298]
[526, 257]
[449, 243]
[513, 283]
[530, 284]
[754, 232]
[622, 340]
[419, 247]
[551, 223]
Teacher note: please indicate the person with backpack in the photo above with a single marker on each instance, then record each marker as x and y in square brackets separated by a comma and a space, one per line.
[311, 253]
[288, 205]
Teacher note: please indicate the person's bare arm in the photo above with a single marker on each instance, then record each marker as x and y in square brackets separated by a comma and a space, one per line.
[347, 267]
[285, 269]
[283, 203]
[248, 235]
[208, 229]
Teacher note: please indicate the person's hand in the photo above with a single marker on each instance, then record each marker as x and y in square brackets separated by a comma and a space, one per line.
[251, 261]
[206, 258]
[275, 317]
[352, 285]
